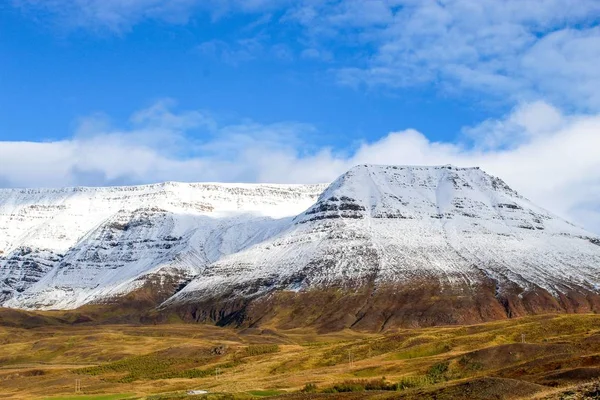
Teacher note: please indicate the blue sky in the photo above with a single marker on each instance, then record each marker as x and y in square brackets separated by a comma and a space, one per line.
[237, 66]
[104, 92]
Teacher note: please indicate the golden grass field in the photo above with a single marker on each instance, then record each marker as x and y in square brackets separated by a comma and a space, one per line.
[557, 358]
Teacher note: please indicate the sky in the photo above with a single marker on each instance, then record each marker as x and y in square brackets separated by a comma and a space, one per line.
[119, 92]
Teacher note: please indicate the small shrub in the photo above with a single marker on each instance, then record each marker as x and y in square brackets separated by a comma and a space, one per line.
[437, 372]
[309, 388]
[348, 386]
[361, 385]
[467, 363]
[410, 382]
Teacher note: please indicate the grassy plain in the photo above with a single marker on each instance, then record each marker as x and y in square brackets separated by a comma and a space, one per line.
[553, 356]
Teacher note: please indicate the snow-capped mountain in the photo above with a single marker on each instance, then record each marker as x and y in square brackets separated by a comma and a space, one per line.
[61, 248]
[394, 228]
[380, 246]
[390, 223]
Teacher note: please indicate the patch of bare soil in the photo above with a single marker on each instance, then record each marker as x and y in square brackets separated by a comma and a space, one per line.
[584, 374]
[544, 370]
[586, 391]
[479, 389]
[421, 303]
[509, 354]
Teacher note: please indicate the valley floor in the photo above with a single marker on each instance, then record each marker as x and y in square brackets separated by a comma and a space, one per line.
[543, 357]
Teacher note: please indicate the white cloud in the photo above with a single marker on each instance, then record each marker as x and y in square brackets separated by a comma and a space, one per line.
[525, 123]
[564, 64]
[232, 53]
[158, 144]
[556, 164]
[244, 50]
[514, 49]
[312, 53]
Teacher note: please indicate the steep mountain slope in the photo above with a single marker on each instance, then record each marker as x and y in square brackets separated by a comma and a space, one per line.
[395, 239]
[61, 248]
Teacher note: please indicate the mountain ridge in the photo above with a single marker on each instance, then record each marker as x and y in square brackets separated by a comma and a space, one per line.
[378, 235]
[40, 228]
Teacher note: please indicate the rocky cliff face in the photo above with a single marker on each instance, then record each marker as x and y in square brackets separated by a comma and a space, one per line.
[381, 246]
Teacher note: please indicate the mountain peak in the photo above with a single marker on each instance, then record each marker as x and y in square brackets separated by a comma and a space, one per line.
[411, 192]
[385, 167]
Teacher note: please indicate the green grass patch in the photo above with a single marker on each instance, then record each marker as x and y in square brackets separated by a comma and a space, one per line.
[260, 349]
[199, 373]
[410, 382]
[265, 393]
[425, 350]
[93, 397]
[153, 367]
[381, 384]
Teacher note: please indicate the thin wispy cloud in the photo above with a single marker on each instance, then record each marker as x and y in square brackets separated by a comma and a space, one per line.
[518, 49]
[119, 16]
[116, 16]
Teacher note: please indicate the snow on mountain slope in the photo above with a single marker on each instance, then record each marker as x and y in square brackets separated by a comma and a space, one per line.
[61, 248]
[375, 227]
[390, 224]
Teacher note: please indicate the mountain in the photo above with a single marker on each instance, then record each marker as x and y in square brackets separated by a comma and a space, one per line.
[380, 247]
[62, 248]
[389, 245]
